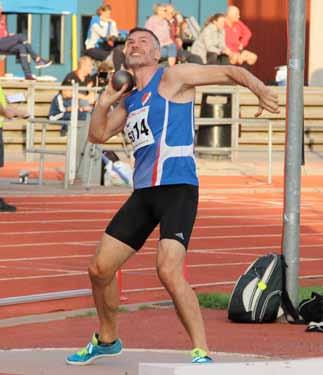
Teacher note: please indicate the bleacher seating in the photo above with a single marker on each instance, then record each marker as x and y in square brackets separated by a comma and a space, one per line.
[255, 135]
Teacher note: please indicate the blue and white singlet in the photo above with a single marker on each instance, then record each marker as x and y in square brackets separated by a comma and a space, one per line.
[162, 134]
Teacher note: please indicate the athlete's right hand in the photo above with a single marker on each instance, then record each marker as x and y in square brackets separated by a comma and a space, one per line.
[110, 96]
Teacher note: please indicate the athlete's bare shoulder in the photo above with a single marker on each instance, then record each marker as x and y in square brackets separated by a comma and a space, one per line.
[173, 87]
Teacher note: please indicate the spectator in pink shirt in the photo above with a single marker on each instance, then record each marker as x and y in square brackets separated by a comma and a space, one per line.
[237, 36]
[158, 24]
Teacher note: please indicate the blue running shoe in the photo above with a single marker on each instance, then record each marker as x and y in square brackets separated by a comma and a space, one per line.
[94, 351]
[200, 356]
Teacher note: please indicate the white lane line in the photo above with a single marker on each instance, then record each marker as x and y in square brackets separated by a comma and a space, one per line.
[227, 250]
[70, 202]
[41, 222]
[52, 231]
[69, 196]
[143, 251]
[214, 226]
[42, 276]
[192, 251]
[261, 209]
[15, 268]
[84, 273]
[42, 211]
[199, 217]
[46, 258]
[154, 238]
[83, 243]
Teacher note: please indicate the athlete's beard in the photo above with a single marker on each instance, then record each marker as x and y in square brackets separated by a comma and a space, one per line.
[134, 63]
[138, 62]
[144, 59]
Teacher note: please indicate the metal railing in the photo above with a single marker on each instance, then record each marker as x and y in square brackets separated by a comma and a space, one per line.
[42, 150]
[71, 145]
[234, 121]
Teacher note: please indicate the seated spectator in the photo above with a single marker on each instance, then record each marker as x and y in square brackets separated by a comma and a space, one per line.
[16, 44]
[61, 104]
[190, 29]
[3, 24]
[237, 36]
[174, 19]
[158, 24]
[83, 76]
[185, 31]
[209, 47]
[101, 37]
[61, 108]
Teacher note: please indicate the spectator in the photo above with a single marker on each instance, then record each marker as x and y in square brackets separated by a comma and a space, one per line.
[9, 112]
[16, 44]
[3, 24]
[61, 105]
[83, 76]
[190, 28]
[237, 36]
[209, 47]
[101, 37]
[186, 34]
[185, 31]
[61, 109]
[158, 24]
[174, 19]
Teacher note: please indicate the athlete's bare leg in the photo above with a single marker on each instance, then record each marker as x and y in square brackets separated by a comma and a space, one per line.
[170, 261]
[111, 255]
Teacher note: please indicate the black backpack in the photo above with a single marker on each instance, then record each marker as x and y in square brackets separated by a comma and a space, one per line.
[257, 294]
[261, 290]
[311, 309]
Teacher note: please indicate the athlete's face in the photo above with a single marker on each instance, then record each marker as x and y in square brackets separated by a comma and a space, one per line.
[141, 50]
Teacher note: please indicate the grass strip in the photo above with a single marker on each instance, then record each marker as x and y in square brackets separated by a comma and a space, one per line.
[220, 301]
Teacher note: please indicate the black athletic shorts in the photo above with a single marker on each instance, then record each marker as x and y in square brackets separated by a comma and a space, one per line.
[174, 207]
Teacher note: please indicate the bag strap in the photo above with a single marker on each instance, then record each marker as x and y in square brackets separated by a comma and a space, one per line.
[289, 310]
[287, 305]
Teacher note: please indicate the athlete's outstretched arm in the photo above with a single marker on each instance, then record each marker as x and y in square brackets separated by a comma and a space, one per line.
[191, 75]
[106, 122]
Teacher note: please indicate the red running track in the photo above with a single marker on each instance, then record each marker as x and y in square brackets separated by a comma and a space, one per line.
[46, 245]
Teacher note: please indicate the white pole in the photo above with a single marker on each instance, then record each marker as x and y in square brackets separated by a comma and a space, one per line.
[72, 136]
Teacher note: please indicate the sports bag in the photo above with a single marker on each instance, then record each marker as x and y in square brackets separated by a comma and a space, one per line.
[311, 309]
[256, 296]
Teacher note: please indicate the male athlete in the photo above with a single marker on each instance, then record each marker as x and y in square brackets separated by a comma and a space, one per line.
[158, 117]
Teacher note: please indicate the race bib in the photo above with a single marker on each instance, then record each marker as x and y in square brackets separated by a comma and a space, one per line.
[137, 128]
